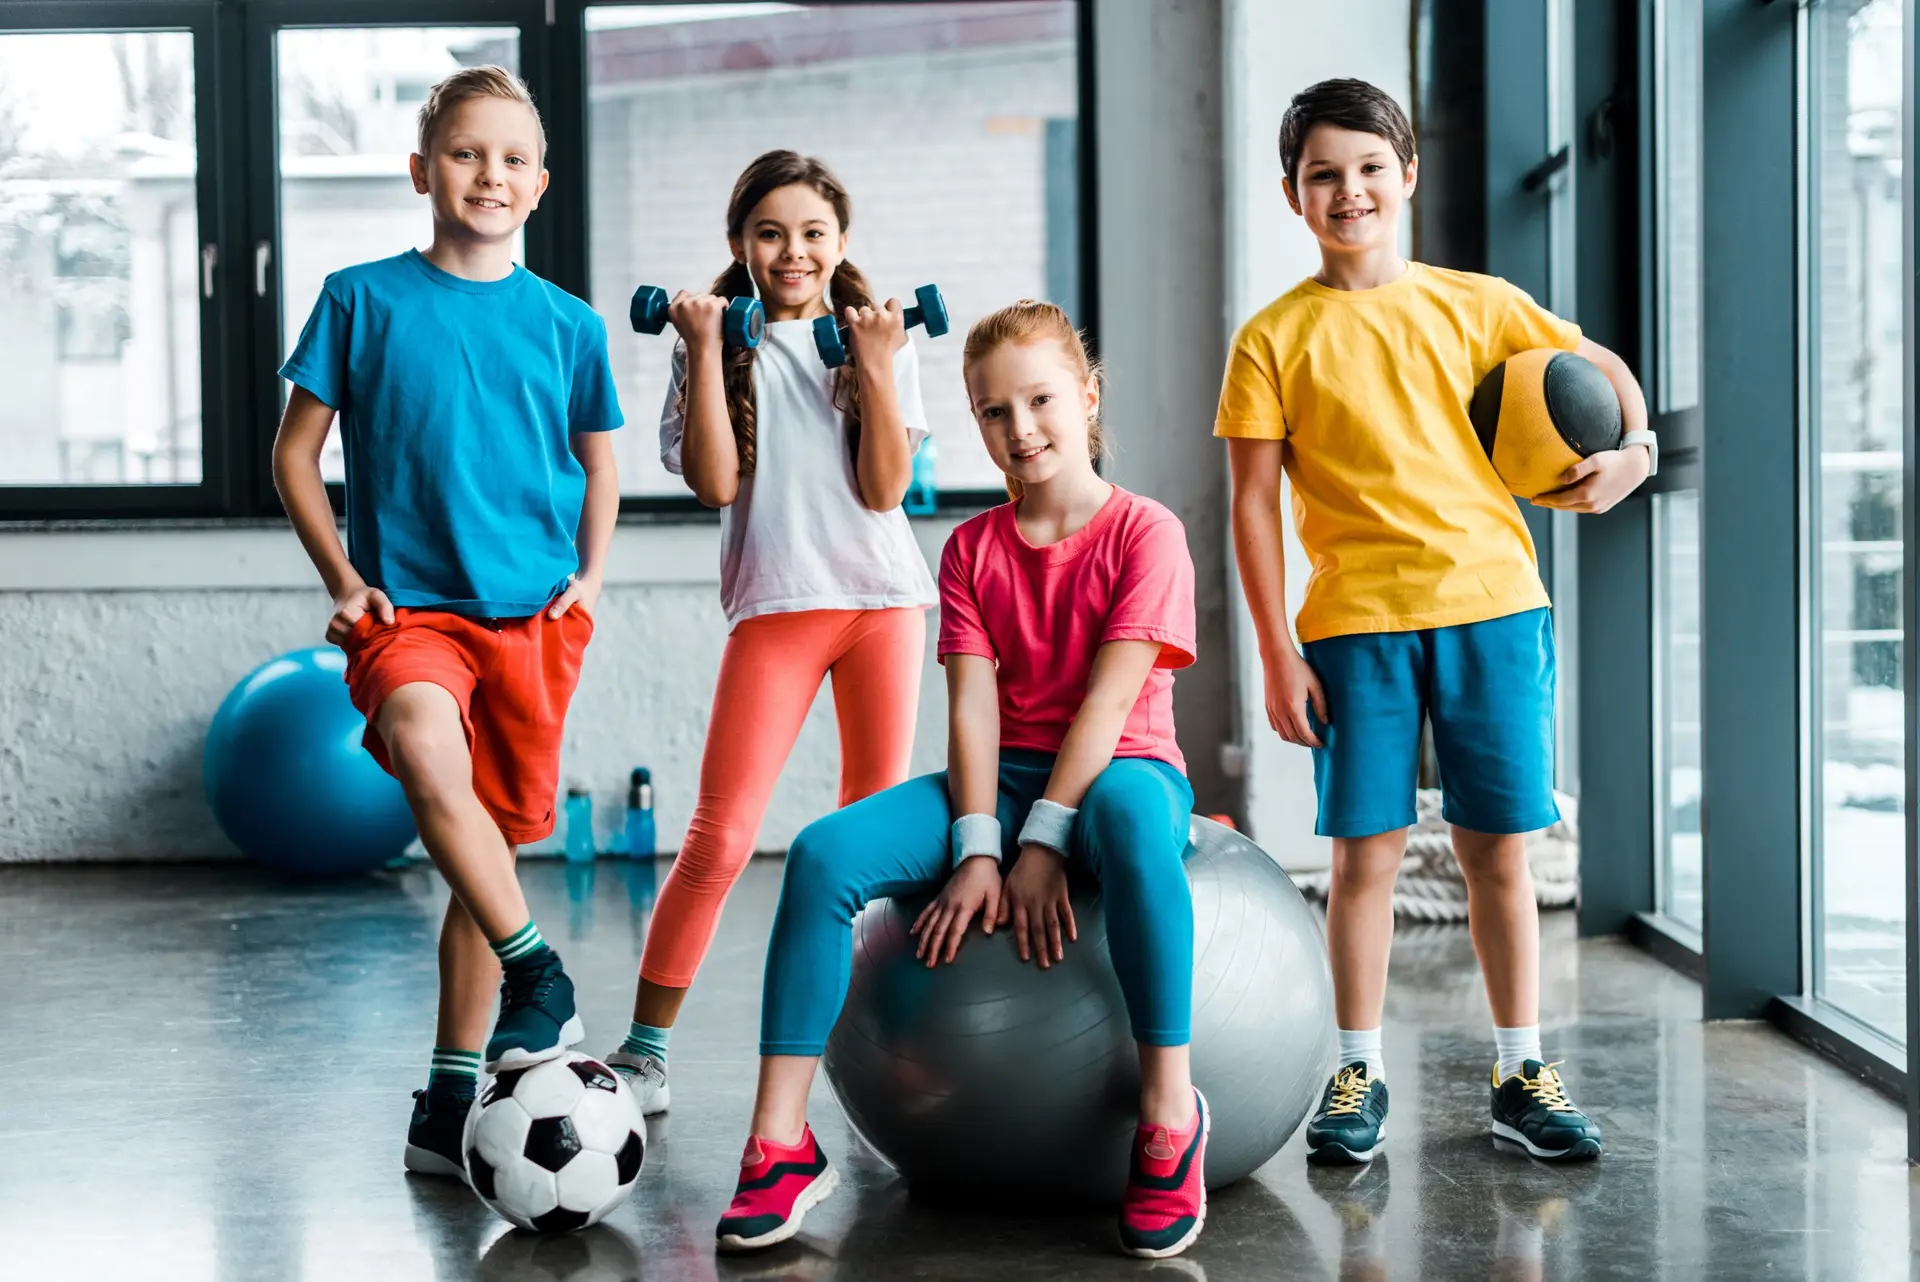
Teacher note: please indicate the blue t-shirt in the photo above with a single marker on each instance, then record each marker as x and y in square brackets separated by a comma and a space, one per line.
[457, 399]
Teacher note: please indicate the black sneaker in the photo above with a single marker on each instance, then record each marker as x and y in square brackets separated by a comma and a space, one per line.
[1352, 1121]
[433, 1136]
[1532, 1110]
[537, 1016]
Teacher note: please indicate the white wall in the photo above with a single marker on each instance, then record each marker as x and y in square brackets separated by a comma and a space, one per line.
[1272, 52]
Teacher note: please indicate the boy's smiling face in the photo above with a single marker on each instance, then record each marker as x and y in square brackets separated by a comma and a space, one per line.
[483, 168]
[1350, 188]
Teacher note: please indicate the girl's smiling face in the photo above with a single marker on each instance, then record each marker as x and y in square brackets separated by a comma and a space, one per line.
[1033, 407]
[791, 243]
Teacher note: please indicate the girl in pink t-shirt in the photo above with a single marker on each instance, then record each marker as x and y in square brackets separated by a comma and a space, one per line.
[1063, 614]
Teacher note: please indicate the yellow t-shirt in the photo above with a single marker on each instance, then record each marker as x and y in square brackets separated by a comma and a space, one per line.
[1398, 507]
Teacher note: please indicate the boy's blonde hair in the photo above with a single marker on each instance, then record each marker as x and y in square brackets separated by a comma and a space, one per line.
[475, 82]
[1032, 321]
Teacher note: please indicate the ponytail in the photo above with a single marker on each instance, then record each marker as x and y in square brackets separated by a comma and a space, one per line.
[848, 289]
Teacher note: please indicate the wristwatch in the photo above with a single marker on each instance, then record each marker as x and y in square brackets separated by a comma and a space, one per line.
[1648, 439]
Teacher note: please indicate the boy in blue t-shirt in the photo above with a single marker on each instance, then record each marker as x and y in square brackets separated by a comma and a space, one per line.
[474, 403]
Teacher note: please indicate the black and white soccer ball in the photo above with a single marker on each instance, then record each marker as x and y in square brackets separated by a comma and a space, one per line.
[555, 1146]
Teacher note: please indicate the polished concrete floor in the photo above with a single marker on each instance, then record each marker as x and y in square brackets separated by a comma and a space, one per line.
[207, 1076]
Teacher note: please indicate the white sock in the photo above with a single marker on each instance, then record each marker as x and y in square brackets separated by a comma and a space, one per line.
[1362, 1043]
[1515, 1046]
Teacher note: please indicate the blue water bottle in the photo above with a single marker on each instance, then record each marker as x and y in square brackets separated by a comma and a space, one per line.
[641, 842]
[923, 493]
[579, 825]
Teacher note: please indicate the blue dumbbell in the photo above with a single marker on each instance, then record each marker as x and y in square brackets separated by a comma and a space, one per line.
[830, 336]
[744, 326]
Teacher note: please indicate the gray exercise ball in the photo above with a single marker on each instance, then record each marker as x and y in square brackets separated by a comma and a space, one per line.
[992, 1079]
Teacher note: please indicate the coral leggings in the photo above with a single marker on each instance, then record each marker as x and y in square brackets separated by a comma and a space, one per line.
[769, 675]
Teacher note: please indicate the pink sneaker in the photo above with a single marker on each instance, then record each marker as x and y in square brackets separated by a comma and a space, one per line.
[1165, 1205]
[778, 1186]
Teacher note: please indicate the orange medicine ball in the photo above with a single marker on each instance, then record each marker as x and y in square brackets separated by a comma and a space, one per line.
[1539, 413]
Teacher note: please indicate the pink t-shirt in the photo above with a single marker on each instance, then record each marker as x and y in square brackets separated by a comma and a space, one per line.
[1041, 613]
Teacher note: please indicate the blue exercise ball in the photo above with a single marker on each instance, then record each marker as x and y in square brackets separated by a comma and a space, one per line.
[288, 780]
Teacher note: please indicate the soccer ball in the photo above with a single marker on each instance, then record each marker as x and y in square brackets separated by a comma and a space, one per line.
[555, 1146]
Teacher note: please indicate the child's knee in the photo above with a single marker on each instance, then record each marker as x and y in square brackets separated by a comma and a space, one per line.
[430, 758]
[1492, 862]
[819, 863]
[1369, 859]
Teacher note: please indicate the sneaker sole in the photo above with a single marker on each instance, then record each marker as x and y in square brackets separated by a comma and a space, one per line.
[572, 1033]
[811, 1196]
[424, 1161]
[1584, 1150]
[1199, 1221]
[1340, 1155]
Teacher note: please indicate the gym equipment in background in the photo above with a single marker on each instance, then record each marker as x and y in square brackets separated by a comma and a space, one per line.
[288, 780]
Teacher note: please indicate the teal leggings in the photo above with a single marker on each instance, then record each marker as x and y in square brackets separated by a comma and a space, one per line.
[1130, 837]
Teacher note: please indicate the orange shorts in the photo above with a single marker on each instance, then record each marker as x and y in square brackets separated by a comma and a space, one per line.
[512, 679]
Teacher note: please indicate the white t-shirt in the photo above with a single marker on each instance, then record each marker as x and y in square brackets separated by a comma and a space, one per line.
[797, 536]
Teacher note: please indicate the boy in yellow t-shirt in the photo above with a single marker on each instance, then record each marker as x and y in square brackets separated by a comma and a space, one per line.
[1424, 599]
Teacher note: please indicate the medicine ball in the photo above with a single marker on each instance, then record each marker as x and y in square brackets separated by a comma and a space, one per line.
[1539, 413]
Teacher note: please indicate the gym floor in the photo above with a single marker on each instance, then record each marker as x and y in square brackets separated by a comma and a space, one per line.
[207, 1077]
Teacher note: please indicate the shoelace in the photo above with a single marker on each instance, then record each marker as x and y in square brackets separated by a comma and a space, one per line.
[521, 991]
[1548, 1089]
[1350, 1087]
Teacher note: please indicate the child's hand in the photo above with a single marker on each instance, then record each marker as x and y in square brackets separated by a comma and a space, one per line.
[1037, 890]
[1598, 481]
[1291, 685]
[351, 606]
[583, 591]
[699, 318]
[874, 334]
[942, 924]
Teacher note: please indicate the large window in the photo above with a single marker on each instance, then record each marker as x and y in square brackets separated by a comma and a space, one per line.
[100, 260]
[178, 177]
[1673, 354]
[1857, 379]
[953, 126]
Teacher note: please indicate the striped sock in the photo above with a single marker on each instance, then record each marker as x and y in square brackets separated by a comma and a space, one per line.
[645, 1039]
[454, 1070]
[520, 945]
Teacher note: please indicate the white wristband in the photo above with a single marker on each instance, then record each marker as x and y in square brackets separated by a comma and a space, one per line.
[975, 835]
[1048, 824]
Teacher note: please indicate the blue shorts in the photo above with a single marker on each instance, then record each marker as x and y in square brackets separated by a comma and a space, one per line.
[1488, 690]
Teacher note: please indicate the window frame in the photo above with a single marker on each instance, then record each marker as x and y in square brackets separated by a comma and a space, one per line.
[238, 203]
[220, 443]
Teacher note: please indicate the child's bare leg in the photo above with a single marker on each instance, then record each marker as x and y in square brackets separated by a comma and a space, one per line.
[657, 1004]
[469, 979]
[780, 1102]
[1166, 1086]
[427, 746]
[1360, 924]
[1505, 921]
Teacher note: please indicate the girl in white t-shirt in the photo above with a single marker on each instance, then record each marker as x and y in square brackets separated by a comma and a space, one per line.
[819, 571]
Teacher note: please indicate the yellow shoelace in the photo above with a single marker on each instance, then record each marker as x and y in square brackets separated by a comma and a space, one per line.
[1350, 1087]
[1548, 1089]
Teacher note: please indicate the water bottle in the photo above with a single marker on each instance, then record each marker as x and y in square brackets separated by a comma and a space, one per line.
[579, 825]
[923, 493]
[640, 841]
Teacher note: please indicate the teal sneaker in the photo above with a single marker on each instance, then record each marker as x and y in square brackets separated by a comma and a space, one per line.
[537, 1016]
[1531, 1110]
[1352, 1121]
[433, 1136]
